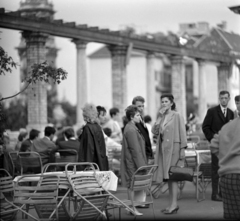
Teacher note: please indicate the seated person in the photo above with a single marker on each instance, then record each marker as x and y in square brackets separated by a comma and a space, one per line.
[113, 124]
[26, 144]
[45, 146]
[115, 147]
[70, 142]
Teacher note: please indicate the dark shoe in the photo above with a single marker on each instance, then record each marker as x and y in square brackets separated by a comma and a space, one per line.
[168, 212]
[163, 210]
[217, 198]
[143, 206]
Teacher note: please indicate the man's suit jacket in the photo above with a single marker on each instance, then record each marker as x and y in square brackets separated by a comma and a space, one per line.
[148, 146]
[214, 120]
[44, 147]
[69, 144]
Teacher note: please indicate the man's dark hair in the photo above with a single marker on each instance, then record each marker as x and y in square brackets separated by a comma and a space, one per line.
[224, 92]
[147, 119]
[131, 111]
[100, 108]
[49, 131]
[237, 98]
[113, 111]
[69, 132]
[107, 131]
[138, 98]
[33, 134]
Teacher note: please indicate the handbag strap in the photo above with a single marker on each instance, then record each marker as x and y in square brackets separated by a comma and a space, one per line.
[180, 160]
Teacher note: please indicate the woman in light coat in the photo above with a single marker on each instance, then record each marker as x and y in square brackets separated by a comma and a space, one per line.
[171, 142]
[133, 153]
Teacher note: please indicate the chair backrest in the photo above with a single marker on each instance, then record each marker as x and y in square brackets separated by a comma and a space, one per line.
[84, 183]
[90, 206]
[67, 155]
[6, 182]
[191, 161]
[203, 145]
[44, 196]
[142, 177]
[30, 160]
[206, 169]
[193, 138]
[13, 155]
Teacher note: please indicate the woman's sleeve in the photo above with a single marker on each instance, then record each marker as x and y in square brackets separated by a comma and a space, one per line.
[156, 126]
[133, 144]
[182, 131]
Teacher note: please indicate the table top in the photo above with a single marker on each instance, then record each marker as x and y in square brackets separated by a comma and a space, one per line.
[107, 178]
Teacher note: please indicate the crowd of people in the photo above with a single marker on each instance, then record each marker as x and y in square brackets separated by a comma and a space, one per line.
[135, 138]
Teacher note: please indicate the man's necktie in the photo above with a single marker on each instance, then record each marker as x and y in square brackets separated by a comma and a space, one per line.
[224, 112]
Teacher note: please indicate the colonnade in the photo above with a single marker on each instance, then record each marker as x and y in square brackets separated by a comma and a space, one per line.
[37, 98]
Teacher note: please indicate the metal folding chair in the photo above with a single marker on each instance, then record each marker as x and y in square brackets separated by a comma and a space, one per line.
[44, 196]
[67, 155]
[141, 180]
[91, 198]
[30, 162]
[204, 178]
[13, 155]
[8, 209]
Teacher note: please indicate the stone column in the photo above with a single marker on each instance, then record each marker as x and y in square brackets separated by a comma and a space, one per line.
[224, 73]
[179, 84]
[119, 77]
[37, 93]
[82, 93]
[202, 104]
[151, 90]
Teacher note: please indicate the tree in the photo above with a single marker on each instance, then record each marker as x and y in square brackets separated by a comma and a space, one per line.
[41, 72]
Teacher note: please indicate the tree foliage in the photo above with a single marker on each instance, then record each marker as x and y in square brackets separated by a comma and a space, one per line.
[42, 72]
[6, 62]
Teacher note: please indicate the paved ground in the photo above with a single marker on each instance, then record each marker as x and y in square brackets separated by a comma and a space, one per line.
[190, 209]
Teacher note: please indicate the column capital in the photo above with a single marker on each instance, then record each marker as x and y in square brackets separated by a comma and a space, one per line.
[80, 44]
[118, 49]
[150, 54]
[177, 59]
[224, 64]
[34, 37]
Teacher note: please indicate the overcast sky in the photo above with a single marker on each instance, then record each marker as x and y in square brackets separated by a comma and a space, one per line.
[144, 15]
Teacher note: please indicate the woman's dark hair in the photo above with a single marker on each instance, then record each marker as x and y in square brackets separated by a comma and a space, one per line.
[33, 134]
[131, 111]
[171, 98]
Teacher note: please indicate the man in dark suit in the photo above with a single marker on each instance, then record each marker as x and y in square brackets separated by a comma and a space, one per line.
[45, 146]
[139, 102]
[214, 120]
[71, 143]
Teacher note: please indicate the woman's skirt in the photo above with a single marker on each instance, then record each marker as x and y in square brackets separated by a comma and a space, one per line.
[230, 189]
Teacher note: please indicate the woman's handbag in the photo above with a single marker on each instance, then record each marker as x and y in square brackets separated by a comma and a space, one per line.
[177, 173]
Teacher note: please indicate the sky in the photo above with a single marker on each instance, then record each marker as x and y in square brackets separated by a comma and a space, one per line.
[143, 15]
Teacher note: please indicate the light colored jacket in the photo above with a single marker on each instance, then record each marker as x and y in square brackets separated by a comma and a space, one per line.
[226, 145]
[167, 149]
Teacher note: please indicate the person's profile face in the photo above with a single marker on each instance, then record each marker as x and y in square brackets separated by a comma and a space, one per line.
[166, 103]
[140, 106]
[224, 99]
[102, 117]
[136, 118]
[237, 105]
